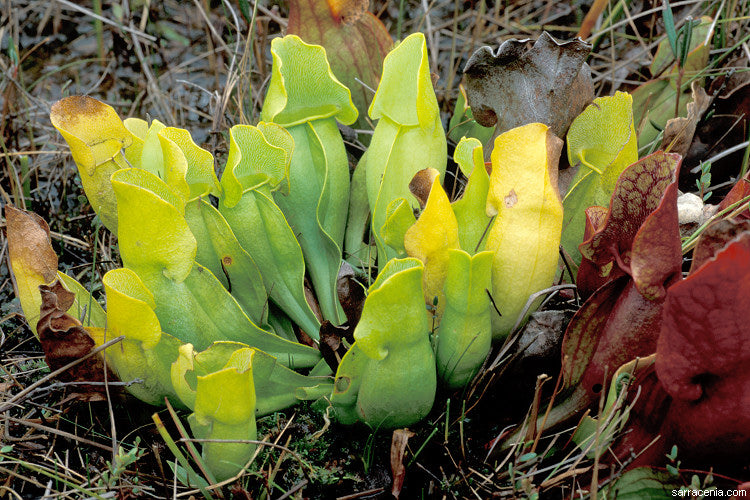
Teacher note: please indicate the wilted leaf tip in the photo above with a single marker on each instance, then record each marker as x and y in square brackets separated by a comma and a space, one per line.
[348, 11]
[500, 85]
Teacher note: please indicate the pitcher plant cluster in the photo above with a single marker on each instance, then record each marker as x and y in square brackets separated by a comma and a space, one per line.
[219, 275]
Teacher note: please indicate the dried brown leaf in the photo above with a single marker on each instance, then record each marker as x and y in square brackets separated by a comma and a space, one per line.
[64, 340]
[32, 258]
[398, 448]
[549, 83]
[679, 132]
[421, 184]
[351, 294]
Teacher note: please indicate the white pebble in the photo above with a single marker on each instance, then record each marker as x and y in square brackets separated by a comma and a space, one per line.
[689, 208]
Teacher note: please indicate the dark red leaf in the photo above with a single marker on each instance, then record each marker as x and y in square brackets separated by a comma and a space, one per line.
[590, 276]
[640, 190]
[656, 254]
[614, 326]
[703, 353]
[596, 217]
[715, 238]
[738, 192]
[697, 394]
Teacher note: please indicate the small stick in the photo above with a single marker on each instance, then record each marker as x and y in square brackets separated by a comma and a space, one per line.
[9, 404]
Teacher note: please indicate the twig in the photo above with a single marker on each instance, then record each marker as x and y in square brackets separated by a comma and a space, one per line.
[88, 12]
[64, 434]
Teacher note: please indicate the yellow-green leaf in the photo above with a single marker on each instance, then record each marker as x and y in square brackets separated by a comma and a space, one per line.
[388, 379]
[225, 409]
[400, 217]
[219, 251]
[191, 303]
[470, 208]
[602, 143]
[145, 353]
[257, 155]
[345, 28]
[409, 136]
[317, 201]
[154, 237]
[464, 335]
[199, 175]
[299, 93]
[276, 386]
[430, 238]
[526, 233]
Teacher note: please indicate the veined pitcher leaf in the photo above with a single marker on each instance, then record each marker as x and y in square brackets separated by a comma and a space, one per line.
[635, 254]
[602, 142]
[526, 233]
[257, 155]
[178, 147]
[639, 235]
[99, 143]
[191, 303]
[409, 135]
[703, 351]
[302, 92]
[355, 41]
[391, 353]
[317, 202]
